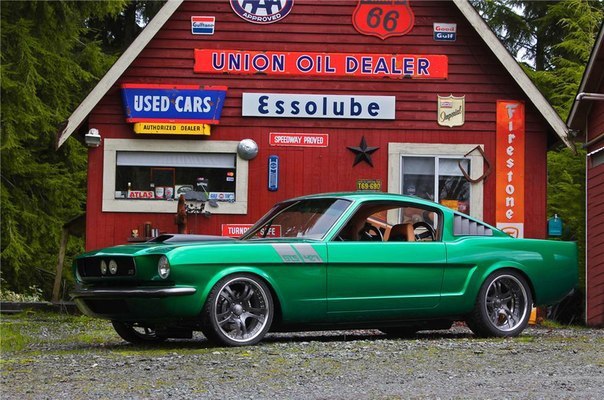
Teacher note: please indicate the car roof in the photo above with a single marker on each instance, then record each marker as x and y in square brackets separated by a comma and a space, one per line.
[365, 196]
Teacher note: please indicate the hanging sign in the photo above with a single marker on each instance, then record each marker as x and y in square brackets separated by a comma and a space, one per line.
[354, 65]
[451, 110]
[318, 106]
[262, 11]
[171, 129]
[299, 139]
[203, 25]
[383, 18]
[509, 191]
[173, 103]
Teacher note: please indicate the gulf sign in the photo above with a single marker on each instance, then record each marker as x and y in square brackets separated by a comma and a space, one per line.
[357, 65]
[299, 139]
[203, 25]
[510, 153]
[173, 103]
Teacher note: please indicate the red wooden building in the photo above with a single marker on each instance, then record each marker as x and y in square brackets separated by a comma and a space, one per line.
[413, 97]
[587, 117]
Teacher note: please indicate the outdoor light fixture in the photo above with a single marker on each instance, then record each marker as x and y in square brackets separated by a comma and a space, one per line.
[93, 138]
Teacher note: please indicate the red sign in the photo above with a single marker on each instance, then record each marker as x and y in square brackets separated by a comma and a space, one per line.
[509, 191]
[383, 18]
[299, 139]
[236, 230]
[358, 65]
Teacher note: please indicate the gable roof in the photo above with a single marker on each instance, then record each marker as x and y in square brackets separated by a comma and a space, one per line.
[592, 78]
[475, 20]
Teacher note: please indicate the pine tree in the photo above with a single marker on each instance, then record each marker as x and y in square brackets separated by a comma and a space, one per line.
[48, 65]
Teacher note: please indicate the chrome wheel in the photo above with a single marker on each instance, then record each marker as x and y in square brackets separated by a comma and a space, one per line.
[239, 311]
[502, 307]
[506, 303]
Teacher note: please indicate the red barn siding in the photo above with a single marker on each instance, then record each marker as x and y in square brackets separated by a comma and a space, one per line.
[595, 219]
[322, 27]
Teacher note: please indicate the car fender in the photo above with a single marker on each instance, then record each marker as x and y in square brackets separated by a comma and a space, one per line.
[259, 272]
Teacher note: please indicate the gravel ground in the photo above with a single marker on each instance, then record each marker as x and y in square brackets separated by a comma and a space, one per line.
[560, 363]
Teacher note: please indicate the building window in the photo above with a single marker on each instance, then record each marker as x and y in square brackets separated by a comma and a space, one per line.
[165, 176]
[438, 179]
[149, 175]
[431, 171]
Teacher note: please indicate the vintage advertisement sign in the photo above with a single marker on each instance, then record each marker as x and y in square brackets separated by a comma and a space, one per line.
[173, 103]
[383, 18]
[285, 105]
[299, 139]
[445, 32]
[203, 25]
[451, 111]
[171, 129]
[353, 65]
[510, 142]
[236, 230]
[262, 11]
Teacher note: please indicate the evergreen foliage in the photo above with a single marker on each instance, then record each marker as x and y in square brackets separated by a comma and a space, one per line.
[49, 63]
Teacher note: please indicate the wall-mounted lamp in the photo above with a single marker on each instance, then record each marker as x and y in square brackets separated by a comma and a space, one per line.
[93, 138]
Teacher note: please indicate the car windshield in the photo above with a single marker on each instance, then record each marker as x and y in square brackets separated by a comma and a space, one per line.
[307, 219]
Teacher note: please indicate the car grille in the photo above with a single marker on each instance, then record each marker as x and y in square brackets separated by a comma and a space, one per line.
[91, 266]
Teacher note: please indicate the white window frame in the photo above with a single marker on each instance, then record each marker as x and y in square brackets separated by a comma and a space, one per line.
[112, 146]
[442, 150]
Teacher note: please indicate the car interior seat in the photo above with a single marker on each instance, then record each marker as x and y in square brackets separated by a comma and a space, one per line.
[402, 233]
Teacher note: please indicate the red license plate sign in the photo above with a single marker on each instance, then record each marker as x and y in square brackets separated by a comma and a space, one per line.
[236, 230]
[383, 18]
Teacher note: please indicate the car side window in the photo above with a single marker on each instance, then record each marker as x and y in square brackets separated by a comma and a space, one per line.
[392, 222]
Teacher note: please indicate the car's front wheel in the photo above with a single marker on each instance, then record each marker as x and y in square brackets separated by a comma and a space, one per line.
[503, 306]
[136, 333]
[238, 311]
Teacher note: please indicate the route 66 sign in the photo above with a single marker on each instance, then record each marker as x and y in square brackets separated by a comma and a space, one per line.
[383, 18]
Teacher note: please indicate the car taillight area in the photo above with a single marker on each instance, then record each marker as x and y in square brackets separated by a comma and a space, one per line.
[111, 266]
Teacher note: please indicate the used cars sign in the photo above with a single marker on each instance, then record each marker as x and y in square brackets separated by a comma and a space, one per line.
[173, 103]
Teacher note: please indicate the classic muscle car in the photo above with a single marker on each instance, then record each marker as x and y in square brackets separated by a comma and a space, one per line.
[331, 261]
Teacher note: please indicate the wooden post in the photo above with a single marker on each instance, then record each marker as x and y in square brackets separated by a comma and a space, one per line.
[56, 290]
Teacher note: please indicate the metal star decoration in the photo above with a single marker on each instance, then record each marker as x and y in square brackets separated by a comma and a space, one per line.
[363, 152]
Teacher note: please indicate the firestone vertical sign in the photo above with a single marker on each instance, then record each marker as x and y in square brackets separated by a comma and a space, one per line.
[510, 151]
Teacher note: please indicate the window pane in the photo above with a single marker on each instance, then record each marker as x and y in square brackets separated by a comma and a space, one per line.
[418, 176]
[454, 189]
[165, 176]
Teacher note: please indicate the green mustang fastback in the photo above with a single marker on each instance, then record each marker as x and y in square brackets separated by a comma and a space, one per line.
[331, 261]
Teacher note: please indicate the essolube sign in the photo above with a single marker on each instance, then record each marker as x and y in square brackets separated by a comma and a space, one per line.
[173, 103]
[318, 106]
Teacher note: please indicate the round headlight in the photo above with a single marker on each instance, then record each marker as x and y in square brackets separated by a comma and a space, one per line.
[112, 267]
[163, 267]
[103, 267]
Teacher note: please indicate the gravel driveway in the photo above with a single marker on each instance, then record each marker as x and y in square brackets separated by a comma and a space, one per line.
[71, 360]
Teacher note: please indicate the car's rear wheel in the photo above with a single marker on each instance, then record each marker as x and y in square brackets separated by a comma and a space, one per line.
[238, 311]
[503, 306]
[136, 333]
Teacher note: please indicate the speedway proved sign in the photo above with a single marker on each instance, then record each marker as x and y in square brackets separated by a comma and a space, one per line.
[383, 18]
[396, 66]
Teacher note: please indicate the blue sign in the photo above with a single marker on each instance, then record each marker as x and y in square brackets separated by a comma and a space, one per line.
[173, 103]
[444, 32]
[273, 173]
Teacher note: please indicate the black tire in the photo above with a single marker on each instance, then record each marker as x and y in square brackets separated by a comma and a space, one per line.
[136, 333]
[239, 311]
[503, 306]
